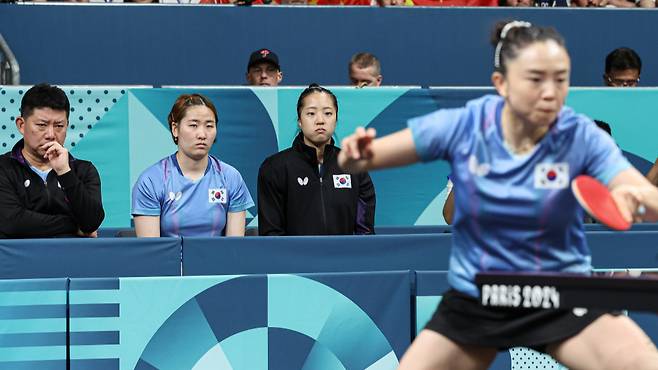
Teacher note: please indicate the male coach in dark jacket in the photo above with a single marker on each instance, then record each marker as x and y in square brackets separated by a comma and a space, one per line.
[44, 191]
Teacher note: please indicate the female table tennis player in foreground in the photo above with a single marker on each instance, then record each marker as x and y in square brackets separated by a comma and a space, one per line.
[512, 158]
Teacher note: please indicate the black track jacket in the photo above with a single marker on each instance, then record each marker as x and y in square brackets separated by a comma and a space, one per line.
[65, 204]
[294, 198]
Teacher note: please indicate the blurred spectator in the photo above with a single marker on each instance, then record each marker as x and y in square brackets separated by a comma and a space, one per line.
[391, 2]
[536, 3]
[455, 2]
[552, 3]
[263, 68]
[622, 68]
[517, 3]
[365, 70]
[614, 3]
[234, 2]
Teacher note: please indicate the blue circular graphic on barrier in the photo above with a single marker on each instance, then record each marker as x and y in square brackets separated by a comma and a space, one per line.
[268, 322]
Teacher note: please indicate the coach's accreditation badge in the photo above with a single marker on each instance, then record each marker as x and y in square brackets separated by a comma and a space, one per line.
[342, 181]
[551, 175]
[217, 196]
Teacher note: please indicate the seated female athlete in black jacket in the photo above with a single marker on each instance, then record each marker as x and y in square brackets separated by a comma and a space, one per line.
[302, 191]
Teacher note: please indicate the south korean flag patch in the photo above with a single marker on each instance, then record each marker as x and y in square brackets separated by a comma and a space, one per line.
[551, 176]
[217, 196]
[342, 181]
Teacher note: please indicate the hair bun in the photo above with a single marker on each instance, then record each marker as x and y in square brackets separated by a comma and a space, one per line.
[502, 29]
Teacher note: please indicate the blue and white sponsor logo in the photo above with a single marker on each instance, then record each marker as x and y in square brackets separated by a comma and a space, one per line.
[174, 196]
[477, 168]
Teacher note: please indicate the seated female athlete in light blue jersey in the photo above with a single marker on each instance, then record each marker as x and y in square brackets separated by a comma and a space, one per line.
[191, 193]
[513, 156]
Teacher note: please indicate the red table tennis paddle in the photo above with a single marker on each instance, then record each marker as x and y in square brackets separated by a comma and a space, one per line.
[597, 201]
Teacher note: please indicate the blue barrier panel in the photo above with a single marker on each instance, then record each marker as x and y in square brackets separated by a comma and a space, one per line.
[115, 257]
[256, 322]
[213, 256]
[635, 227]
[394, 230]
[33, 324]
[41, 258]
[439, 46]
[648, 321]
[96, 331]
[439, 229]
[111, 232]
[634, 249]
[205, 256]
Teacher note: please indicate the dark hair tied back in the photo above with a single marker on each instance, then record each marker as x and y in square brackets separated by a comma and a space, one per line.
[315, 88]
[509, 38]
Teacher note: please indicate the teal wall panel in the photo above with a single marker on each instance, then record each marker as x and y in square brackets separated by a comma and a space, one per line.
[124, 130]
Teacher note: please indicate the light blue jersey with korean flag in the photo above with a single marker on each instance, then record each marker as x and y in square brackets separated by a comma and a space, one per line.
[515, 212]
[186, 207]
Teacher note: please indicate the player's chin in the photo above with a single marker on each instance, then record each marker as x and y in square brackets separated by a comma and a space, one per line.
[197, 154]
[544, 118]
[321, 138]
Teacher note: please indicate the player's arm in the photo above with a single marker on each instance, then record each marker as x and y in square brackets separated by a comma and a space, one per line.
[633, 192]
[362, 152]
[147, 226]
[235, 223]
[147, 195]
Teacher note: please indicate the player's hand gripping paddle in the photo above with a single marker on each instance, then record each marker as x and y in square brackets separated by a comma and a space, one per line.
[598, 202]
